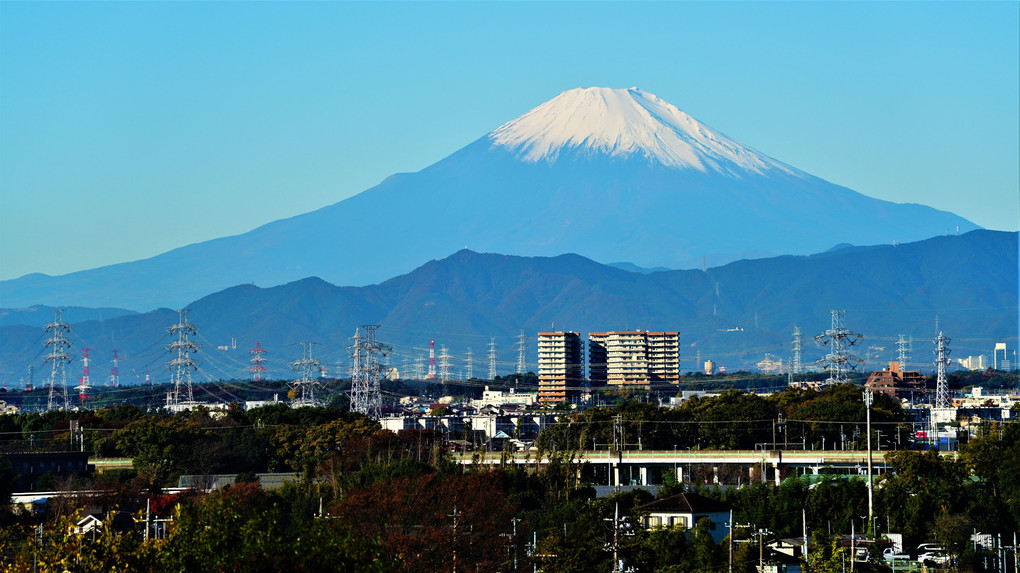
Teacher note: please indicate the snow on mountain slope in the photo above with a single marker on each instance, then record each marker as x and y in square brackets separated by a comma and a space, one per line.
[622, 123]
[612, 175]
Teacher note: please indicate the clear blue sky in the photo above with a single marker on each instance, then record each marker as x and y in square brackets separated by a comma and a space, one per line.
[128, 129]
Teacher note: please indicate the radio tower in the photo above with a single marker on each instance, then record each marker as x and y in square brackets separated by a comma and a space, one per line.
[114, 372]
[256, 362]
[838, 362]
[492, 359]
[366, 372]
[432, 361]
[83, 383]
[59, 358]
[469, 364]
[941, 361]
[181, 365]
[903, 350]
[795, 367]
[522, 342]
[306, 384]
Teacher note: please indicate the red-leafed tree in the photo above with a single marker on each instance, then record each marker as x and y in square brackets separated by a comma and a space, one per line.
[432, 522]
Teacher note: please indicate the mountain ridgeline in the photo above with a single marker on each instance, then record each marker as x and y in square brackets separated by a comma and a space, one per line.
[610, 174]
[733, 314]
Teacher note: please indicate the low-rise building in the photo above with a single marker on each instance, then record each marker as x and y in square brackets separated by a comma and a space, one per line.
[686, 509]
[499, 398]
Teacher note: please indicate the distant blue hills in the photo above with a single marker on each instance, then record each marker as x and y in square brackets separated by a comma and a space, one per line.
[612, 175]
[967, 282]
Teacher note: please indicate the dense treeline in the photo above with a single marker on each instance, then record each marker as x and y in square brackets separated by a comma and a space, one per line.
[372, 500]
[793, 419]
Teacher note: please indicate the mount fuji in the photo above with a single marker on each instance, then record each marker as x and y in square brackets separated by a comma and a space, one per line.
[615, 175]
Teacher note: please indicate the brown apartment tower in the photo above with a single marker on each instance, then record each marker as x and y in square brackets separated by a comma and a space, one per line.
[633, 358]
[560, 366]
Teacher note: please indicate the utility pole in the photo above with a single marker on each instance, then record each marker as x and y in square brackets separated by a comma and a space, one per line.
[730, 542]
[454, 515]
[617, 565]
[59, 358]
[868, 398]
[838, 362]
[803, 520]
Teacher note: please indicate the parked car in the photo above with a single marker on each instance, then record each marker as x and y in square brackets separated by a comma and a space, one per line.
[930, 548]
[935, 557]
[890, 555]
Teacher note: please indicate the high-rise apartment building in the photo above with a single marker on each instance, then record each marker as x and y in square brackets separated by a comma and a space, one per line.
[560, 366]
[633, 357]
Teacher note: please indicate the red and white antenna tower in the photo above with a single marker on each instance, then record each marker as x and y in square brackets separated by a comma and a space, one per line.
[147, 381]
[432, 361]
[83, 382]
[114, 372]
[256, 362]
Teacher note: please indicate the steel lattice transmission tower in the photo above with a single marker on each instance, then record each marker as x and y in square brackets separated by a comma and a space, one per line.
[257, 360]
[492, 359]
[795, 366]
[84, 382]
[419, 367]
[59, 358]
[469, 363]
[444, 364]
[522, 343]
[114, 372]
[305, 385]
[839, 361]
[366, 371]
[903, 350]
[181, 364]
[941, 361]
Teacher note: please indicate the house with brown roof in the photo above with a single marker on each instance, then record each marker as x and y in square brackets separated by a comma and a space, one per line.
[686, 509]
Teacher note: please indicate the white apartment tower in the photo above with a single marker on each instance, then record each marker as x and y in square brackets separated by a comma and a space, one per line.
[634, 358]
[560, 366]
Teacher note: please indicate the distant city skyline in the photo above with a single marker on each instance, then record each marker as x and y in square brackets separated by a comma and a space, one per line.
[129, 129]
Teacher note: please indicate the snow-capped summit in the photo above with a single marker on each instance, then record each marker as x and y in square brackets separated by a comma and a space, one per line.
[624, 123]
[612, 175]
